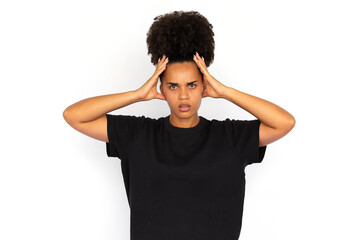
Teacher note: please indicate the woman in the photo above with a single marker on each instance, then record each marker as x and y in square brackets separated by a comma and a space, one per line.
[184, 174]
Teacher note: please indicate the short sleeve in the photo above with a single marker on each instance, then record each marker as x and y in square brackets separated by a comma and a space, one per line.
[121, 130]
[244, 138]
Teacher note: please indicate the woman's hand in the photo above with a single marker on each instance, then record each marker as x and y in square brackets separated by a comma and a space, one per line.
[212, 87]
[148, 90]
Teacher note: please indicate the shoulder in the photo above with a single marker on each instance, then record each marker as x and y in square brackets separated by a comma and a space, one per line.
[229, 122]
[130, 119]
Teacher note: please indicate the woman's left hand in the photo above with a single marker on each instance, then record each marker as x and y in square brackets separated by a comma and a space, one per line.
[212, 87]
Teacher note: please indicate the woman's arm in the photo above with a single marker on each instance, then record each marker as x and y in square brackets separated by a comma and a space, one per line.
[267, 112]
[88, 116]
[92, 108]
[275, 121]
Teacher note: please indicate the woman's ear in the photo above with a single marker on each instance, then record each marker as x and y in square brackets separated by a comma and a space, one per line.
[204, 87]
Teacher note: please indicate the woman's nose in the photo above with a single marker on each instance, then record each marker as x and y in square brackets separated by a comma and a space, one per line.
[183, 94]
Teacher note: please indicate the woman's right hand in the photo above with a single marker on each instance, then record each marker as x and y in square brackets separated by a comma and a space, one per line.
[148, 91]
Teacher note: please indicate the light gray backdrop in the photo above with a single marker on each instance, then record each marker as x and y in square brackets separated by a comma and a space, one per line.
[56, 183]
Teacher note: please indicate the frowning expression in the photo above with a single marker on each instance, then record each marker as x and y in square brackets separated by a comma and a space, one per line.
[183, 87]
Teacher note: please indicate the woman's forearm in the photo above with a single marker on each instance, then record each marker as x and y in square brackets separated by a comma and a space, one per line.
[92, 108]
[267, 112]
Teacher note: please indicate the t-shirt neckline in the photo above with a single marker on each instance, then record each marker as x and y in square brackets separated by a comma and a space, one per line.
[194, 129]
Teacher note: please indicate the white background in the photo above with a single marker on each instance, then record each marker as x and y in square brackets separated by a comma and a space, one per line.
[57, 183]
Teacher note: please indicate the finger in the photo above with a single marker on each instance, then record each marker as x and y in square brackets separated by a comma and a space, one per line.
[162, 62]
[200, 58]
[196, 59]
[200, 65]
[161, 59]
[161, 67]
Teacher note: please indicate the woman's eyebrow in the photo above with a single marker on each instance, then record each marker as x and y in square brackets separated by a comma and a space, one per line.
[177, 84]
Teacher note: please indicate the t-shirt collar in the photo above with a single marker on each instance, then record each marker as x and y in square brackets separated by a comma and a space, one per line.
[194, 129]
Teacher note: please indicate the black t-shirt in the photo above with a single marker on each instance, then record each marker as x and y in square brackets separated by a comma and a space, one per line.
[184, 183]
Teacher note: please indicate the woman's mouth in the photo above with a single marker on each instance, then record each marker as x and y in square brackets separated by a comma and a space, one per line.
[184, 107]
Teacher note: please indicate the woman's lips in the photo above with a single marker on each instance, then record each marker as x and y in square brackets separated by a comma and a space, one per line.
[184, 107]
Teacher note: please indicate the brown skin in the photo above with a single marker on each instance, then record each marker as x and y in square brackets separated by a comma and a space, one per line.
[183, 73]
[88, 115]
[275, 121]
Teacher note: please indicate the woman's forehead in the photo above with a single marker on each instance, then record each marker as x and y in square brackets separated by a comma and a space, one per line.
[182, 72]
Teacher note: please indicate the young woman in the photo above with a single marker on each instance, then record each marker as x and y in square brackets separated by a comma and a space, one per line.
[184, 174]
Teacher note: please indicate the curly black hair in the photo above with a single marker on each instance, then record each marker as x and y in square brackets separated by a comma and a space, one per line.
[178, 35]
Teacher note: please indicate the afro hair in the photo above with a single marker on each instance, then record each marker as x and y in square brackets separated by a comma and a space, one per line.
[178, 35]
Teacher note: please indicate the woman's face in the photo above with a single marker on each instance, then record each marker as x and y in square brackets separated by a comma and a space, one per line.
[182, 84]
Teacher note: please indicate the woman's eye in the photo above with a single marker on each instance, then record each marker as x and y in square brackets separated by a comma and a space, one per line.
[194, 85]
